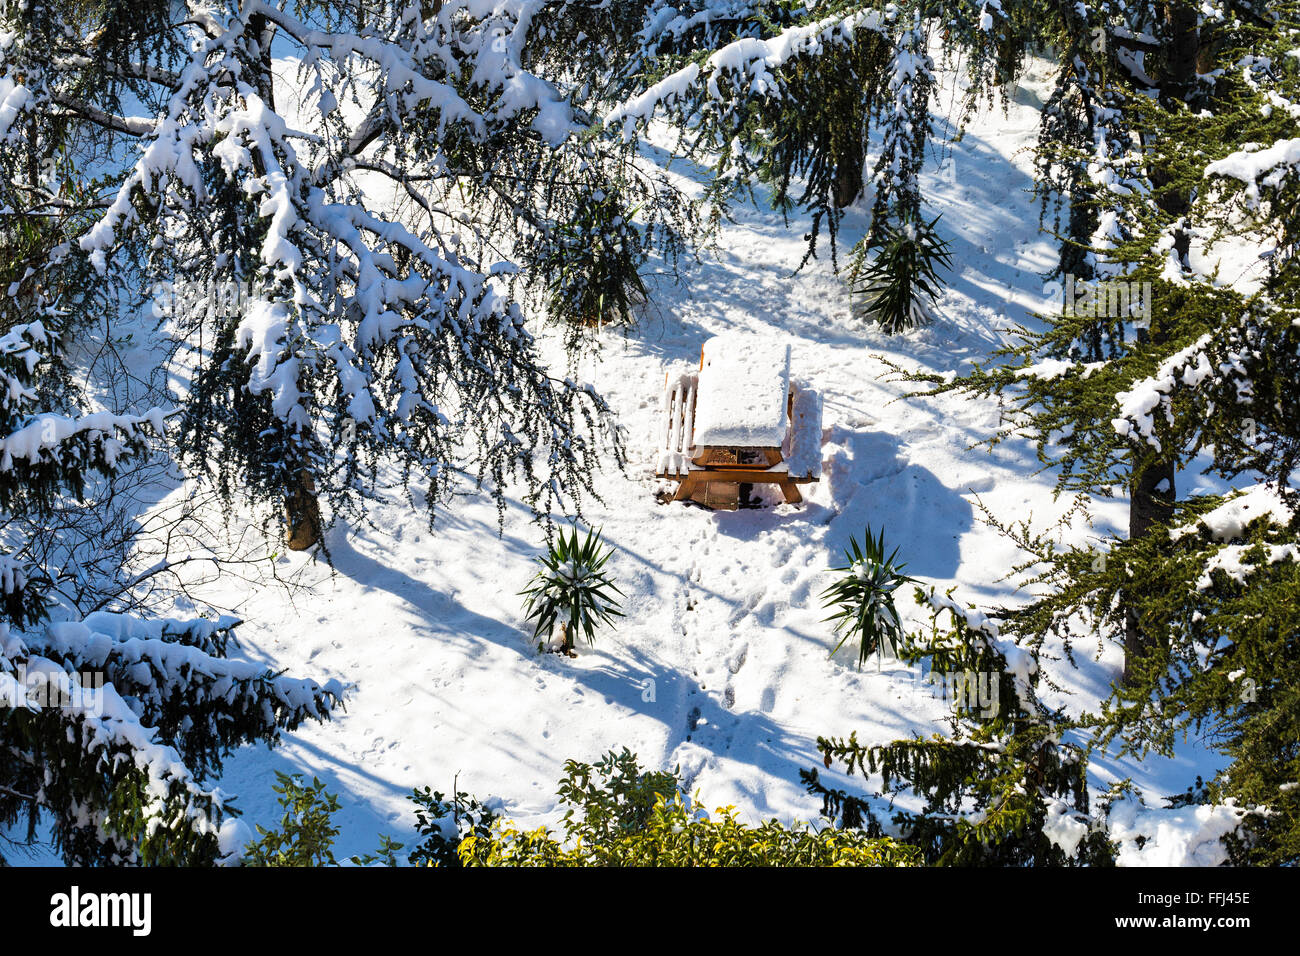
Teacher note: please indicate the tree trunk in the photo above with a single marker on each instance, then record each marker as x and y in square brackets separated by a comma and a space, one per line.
[1152, 492]
[848, 177]
[1150, 502]
[302, 514]
[1178, 78]
[264, 31]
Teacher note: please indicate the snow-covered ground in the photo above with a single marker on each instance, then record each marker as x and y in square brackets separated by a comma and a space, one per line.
[721, 666]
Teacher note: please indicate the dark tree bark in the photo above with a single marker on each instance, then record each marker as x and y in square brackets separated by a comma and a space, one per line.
[302, 514]
[1152, 491]
[1150, 502]
[1181, 50]
[849, 168]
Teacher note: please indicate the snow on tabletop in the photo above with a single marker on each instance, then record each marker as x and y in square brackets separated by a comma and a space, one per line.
[742, 392]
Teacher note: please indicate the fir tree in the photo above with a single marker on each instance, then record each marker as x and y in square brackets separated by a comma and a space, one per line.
[338, 287]
[1003, 789]
[788, 95]
[109, 725]
[1162, 365]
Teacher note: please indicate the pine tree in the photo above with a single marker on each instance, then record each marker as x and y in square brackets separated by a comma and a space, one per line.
[787, 95]
[1161, 364]
[337, 276]
[1003, 788]
[109, 725]
[769, 93]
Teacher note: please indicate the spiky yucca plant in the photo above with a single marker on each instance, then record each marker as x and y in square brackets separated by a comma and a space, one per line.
[899, 286]
[864, 597]
[572, 590]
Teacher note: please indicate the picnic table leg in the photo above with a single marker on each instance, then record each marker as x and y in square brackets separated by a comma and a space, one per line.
[791, 491]
[686, 489]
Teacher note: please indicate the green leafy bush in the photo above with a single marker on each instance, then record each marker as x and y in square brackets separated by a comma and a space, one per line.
[572, 590]
[306, 834]
[865, 597]
[468, 817]
[621, 815]
[677, 835]
[614, 796]
[618, 815]
[898, 287]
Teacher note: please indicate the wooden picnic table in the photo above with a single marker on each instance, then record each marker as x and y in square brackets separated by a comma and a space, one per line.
[739, 420]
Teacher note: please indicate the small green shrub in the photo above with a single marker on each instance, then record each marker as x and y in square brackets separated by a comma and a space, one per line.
[677, 835]
[572, 590]
[468, 817]
[865, 597]
[618, 815]
[613, 796]
[307, 832]
[898, 287]
[621, 815]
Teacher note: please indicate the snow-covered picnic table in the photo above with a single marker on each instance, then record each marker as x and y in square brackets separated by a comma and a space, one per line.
[740, 418]
[743, 393]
